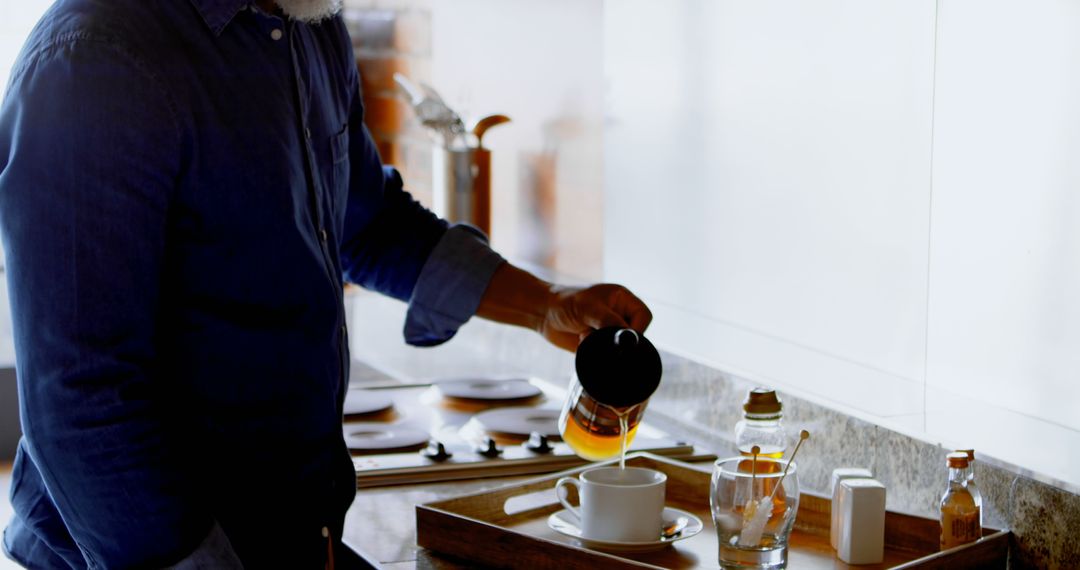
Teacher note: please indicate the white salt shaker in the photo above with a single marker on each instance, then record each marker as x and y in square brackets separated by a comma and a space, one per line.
[862, 527]
[839, 475]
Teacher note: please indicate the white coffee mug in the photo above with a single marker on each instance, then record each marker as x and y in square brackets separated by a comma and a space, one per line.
[623, 505]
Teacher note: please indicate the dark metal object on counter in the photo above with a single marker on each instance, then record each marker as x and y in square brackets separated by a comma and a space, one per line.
[538, 443]
[436, 451]
[489, 448]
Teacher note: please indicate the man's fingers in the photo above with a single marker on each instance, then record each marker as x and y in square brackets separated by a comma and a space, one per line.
[641, 320]
[599, 316]
[633, 309]
[585, 310]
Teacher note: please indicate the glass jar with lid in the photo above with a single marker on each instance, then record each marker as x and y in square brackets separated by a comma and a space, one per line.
[762, 424]
[616, 370]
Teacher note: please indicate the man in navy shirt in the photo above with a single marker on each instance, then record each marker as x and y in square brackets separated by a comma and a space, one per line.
[184, 187]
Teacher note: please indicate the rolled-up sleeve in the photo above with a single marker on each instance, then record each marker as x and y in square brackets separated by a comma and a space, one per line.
[394, 245]
[450, 286]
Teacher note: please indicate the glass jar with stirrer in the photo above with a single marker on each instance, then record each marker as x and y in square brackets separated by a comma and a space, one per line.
[754, 508]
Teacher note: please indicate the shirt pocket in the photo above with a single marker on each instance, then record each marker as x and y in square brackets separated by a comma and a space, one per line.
[339, 169]
[339, 144]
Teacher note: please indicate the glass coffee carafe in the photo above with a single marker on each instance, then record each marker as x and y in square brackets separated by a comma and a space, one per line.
[616, 370]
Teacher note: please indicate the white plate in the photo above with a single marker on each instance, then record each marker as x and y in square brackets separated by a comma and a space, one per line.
[362, 402]
[565, 523]
[380, 438]
[520, 421]
[488, 389]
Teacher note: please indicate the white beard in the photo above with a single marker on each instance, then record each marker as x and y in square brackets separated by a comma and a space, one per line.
[309, 11]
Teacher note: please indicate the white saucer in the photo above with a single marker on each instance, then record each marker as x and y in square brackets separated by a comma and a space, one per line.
[363, 402]
[565, 523]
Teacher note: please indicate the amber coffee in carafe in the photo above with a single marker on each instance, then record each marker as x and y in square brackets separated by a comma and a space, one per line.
[616, 370]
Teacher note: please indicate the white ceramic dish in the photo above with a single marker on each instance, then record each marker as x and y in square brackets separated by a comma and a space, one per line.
[362, 402]
[490, 390]
[563, 522]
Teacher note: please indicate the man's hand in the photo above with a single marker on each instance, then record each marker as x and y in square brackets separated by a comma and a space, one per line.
[574, 312]
[564, 315]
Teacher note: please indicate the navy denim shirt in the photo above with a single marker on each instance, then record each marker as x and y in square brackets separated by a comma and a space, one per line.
[184, 186]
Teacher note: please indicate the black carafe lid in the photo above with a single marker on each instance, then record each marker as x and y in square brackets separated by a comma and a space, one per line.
[618, 366]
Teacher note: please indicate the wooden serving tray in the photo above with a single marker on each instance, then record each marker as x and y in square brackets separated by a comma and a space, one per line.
[476, 528]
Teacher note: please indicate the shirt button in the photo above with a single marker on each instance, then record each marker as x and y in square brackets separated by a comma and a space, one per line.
[275, 34]
[325, 532]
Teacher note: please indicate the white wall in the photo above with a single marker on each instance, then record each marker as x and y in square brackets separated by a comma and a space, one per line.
[869, 204]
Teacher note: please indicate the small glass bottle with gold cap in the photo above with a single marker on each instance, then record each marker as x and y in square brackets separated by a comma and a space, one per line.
[762, 425]
[959, 512]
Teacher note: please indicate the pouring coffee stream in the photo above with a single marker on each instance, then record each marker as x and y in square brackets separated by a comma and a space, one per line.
[624, 427]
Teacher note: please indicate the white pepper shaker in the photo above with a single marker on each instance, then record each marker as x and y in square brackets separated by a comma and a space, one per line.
[839, 475]
[862, 527]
